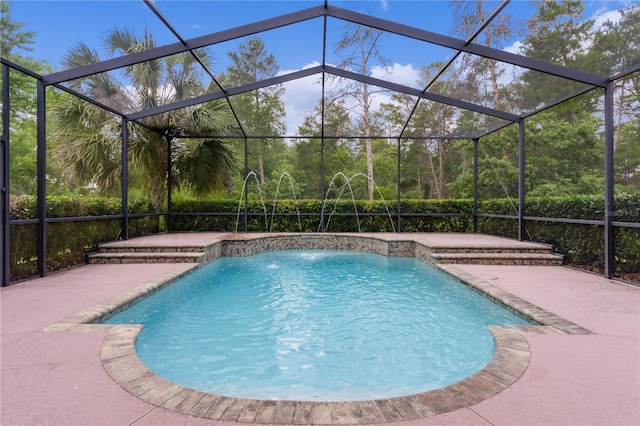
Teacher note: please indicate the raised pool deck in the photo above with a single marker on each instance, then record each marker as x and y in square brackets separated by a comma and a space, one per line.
[585, 378]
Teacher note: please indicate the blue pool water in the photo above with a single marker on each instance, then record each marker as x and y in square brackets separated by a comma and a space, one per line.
[316, 325]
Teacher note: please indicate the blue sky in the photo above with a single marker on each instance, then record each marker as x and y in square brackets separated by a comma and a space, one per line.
[59, 25]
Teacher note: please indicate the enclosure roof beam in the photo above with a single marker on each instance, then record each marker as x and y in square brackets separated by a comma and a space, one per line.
[22, 69]
[339, 13]
[227, 93]
[628, 71]
[190, 44]
[434, 136]
[101, 105]
[316, 70]
[446, 66]
[460, 45]
[204, 66]
[88, 99]
[532, 113]
[420, 94]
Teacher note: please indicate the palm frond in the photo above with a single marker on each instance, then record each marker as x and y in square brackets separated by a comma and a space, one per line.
[207, 165]
[213, 118]
[87, 154]
[119, 41]
[89, 138]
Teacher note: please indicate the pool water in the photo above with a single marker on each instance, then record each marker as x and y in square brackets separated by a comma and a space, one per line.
[316, 325]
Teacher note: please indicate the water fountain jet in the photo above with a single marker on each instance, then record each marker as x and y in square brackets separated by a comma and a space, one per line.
[295, 200]
[348, 183]
[264, 208]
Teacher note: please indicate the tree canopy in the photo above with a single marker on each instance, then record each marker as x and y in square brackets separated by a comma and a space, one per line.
[564, 150]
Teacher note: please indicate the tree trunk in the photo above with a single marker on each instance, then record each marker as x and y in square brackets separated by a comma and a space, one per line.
[494, 80]
[440, 182]
[492, 64]
[620, 106]
[369, 168]
[434, 172]
[157, 176]
[156, 191]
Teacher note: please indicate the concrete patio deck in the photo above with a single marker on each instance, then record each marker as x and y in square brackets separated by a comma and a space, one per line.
[58, 378]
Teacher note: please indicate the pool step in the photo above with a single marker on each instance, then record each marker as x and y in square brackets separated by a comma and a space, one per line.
[179, 251]
[129, 257]
[510, 258]
[529, 249]
[130, 248]
[127, 252]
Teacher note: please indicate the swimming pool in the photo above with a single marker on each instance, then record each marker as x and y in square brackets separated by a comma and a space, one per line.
[316, 325]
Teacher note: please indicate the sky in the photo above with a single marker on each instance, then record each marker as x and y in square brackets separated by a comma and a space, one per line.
[60, 25]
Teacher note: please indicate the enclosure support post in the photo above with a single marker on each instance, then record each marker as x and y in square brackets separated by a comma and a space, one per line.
[521, 177]
[322, 106]
[125, 179]
[246, 173]
[475, 185]
[609, 203]
[169, 181]
[322, 194]
[4, 172]
[398, 209]
[41, 176]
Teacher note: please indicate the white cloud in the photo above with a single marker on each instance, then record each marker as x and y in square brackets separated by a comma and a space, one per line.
[600, 17]
[379, 98]
[512, 72]
[300, 97]
[397, 73]
[604, 15]
[515, 47]
[509, 70]
[303, 95]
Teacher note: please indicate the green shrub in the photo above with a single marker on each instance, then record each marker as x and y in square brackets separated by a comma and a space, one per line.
[582, 245]
[67, 242]
[338, 216]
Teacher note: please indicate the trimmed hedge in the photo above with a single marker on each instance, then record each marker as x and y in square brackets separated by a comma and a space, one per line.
[304, 215]
[582, 245]
[67, 242]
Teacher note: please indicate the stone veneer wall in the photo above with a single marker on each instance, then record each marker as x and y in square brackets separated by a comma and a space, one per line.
[249, 247]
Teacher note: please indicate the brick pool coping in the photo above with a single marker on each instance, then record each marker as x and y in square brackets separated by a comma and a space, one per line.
[120, 360]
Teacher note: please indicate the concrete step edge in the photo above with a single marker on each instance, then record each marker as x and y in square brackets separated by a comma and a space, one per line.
[167, 255]
[492, 249]
[151, 249]
[496, 255]
[502, 262]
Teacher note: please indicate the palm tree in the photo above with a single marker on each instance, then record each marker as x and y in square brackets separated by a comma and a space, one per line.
[88, 137]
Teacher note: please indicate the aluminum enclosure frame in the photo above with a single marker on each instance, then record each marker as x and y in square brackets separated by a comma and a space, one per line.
[187, 46]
